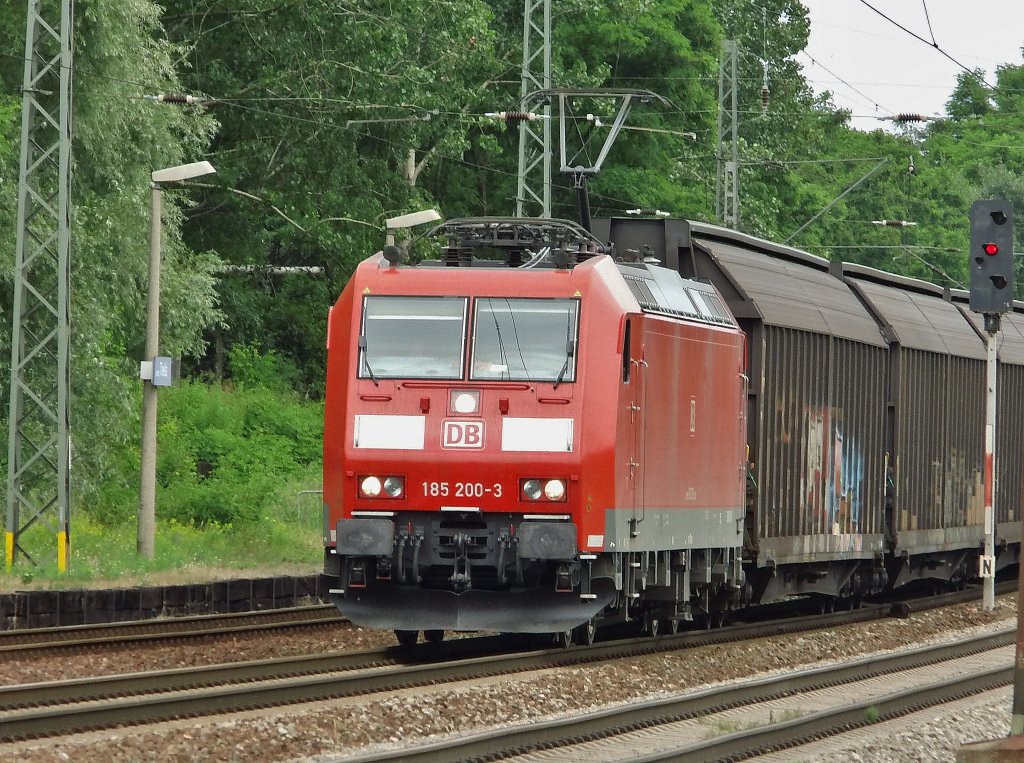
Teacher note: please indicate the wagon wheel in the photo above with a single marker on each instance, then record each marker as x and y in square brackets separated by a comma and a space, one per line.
[584, 634]
[407, 638]
[563, 639]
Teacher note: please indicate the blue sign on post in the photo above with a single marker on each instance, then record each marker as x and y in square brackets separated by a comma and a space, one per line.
[162, 372]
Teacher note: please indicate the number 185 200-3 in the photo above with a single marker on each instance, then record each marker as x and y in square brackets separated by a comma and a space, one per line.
[462, 489]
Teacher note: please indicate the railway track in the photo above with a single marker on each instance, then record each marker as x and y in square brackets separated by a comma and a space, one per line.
[21, 643]
[61, 707]
[743, 719]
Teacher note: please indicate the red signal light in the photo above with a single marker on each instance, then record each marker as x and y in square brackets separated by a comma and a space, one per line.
[990, 249]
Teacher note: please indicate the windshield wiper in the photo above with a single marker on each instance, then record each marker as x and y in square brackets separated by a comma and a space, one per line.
[570, 350]
[366, 361]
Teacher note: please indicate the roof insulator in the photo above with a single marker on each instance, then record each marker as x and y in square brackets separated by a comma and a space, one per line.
[648, 212]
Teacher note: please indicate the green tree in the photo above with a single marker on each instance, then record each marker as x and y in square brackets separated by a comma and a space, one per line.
[118, 139]
[321, 105]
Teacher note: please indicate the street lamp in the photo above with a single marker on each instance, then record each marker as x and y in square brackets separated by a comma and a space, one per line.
[410, 220]
[147, 488]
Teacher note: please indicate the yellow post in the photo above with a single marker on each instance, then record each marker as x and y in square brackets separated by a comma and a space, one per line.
[9, 549]
[62, 551]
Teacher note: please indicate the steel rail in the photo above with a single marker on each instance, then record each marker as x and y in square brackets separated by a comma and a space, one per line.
[563, 732]
[19, 643]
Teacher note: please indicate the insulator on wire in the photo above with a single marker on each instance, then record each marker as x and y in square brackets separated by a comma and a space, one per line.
[894, 223]
[905, 118]
[175, 98]
[765, 95]
[595, 120]
[515, 116]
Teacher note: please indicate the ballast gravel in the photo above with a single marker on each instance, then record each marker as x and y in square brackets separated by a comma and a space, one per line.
[328, 730]
[929, 735]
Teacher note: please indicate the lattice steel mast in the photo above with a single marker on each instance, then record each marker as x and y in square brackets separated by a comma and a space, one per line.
[534, 188]
[727, 194]
[39, 457]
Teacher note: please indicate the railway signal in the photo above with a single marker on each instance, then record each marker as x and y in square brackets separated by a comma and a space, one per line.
[991, 256]
[990, 260]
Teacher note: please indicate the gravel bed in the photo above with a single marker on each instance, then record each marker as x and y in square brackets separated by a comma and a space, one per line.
[929, 735]
[321, 731]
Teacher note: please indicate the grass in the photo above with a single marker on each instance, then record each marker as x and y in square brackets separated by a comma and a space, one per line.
[101, 556]
[235, 469]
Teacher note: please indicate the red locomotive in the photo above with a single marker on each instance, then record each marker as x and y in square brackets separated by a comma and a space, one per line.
[534, 442]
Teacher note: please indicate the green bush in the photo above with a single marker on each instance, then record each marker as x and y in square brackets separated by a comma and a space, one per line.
[235, 467]
[224, 456]
[250, 368]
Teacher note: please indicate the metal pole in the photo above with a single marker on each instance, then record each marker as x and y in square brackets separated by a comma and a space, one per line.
[1017, 716]
[147, 488]
[992, 327]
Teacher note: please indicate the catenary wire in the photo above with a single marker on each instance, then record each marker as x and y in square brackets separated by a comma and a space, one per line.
[935, 45]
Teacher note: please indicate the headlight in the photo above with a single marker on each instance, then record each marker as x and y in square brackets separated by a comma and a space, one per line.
[394, 487]
[542, 490]
[465, 401]
[531, 490]
[391, 486]
[370, 487]
[554, 490]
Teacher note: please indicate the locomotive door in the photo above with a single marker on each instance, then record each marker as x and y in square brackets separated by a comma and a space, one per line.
[638, 413]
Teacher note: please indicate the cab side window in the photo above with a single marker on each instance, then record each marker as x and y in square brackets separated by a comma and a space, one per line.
[626, 365]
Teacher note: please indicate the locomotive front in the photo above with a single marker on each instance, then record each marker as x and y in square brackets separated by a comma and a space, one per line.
[453, 446]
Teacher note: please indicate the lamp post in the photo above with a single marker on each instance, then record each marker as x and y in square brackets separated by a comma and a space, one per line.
[147, 487]
[410, 220]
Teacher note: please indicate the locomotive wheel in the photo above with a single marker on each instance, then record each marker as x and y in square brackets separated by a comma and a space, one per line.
[563, 639]
[584, 634]
[673, 627]
[433, 637]
[407, 638]
[651, 626]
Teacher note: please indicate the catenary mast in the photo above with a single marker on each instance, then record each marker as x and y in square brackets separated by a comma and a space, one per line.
[533, 196]
[39, 446]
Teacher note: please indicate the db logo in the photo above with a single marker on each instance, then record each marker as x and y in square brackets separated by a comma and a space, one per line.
[462, 434]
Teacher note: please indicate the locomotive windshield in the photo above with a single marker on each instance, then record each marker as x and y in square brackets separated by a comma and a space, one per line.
[412, 338]
[525, 339]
